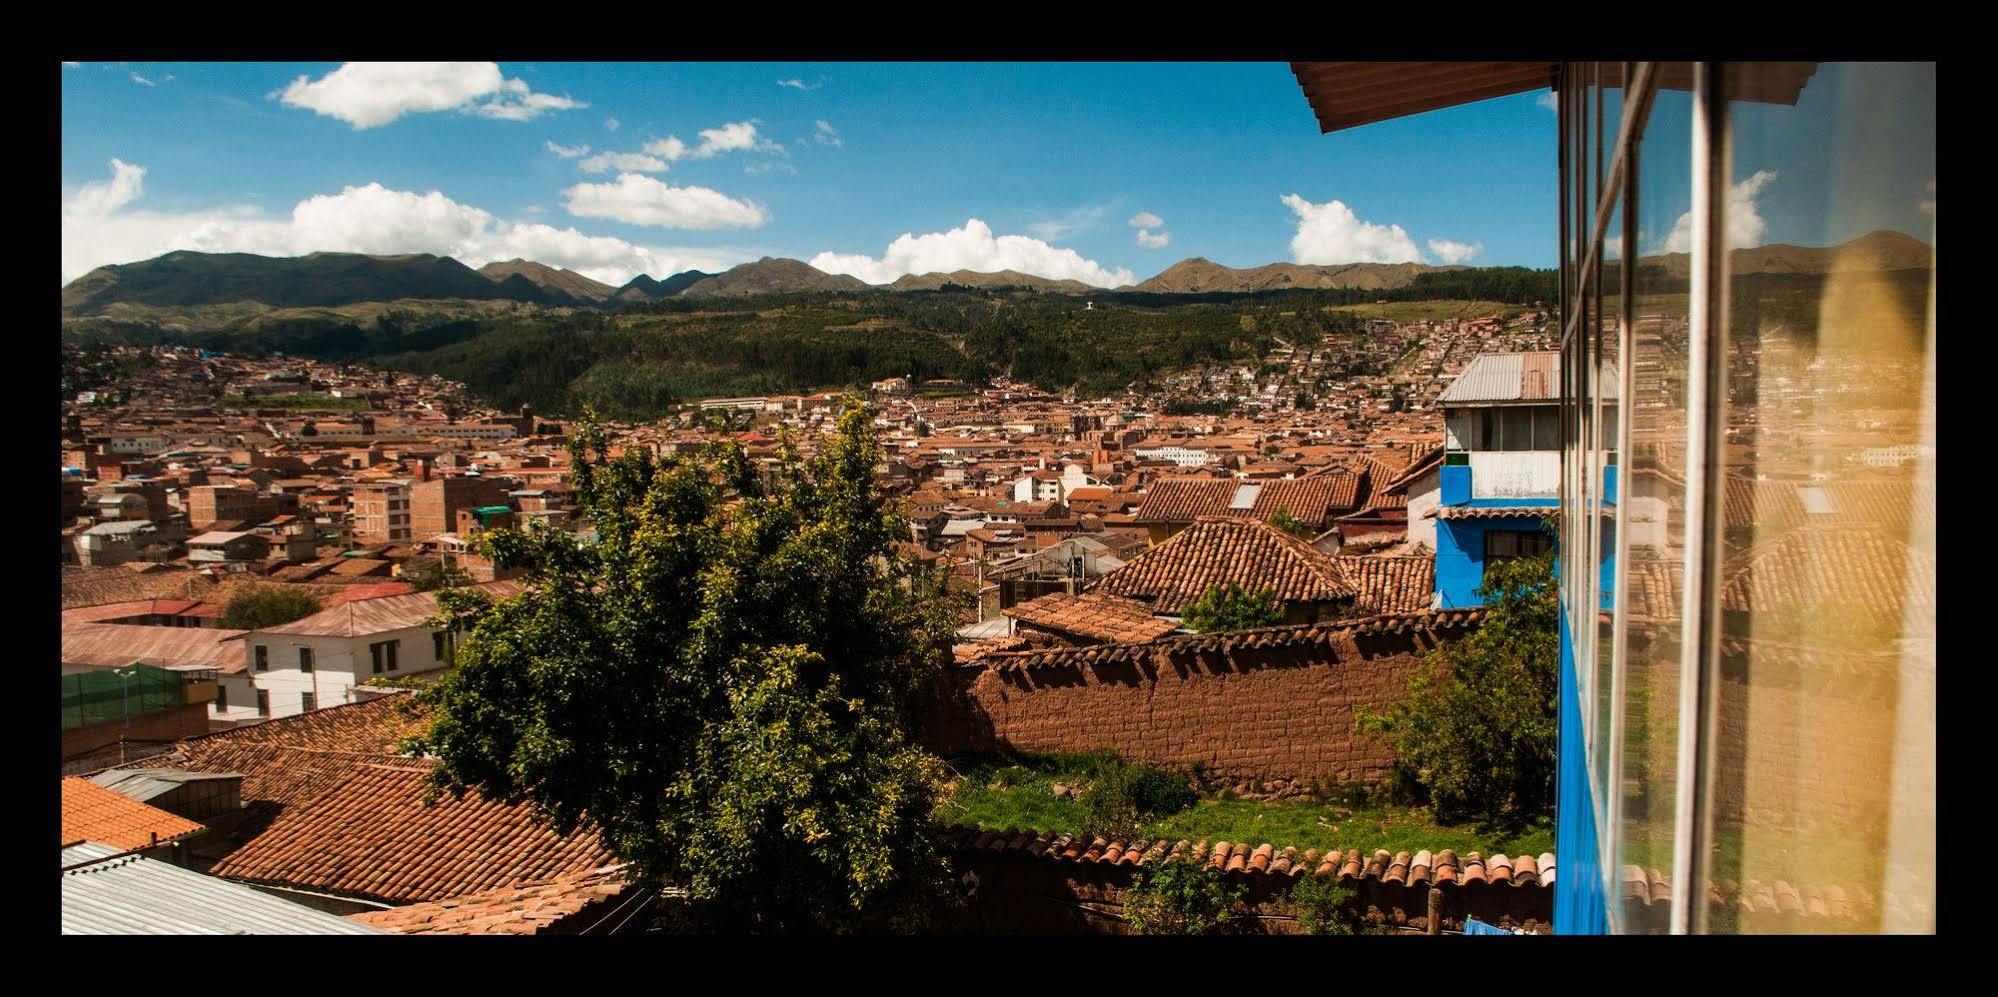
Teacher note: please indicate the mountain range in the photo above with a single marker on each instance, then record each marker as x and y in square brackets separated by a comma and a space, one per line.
[184, 279]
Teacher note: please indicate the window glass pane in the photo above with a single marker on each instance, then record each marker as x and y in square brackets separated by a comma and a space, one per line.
[1547, 428]
[1517, 433]
[1604, 371]
[1825, 761]
[1651, 508]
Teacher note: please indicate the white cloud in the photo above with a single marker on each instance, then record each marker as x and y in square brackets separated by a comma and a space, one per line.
[758, 169]
[515, 102]
[98, 228]
[1548, 100]
[1154, 240]
[142, 81]
[1145, 219]
[824, 134]
[801, 84]
[368, 94]
[72, 65]
[736, 136]
[1455, 252]
[623, 162]
[1745, 225]
[1331, 233]
[611, 123]
[971, 246]
[641, 200]
[106, 196]
[568, 151]
[1076, 220]
[669, 148]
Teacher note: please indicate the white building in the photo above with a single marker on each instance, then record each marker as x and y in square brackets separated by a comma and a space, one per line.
[317, 661]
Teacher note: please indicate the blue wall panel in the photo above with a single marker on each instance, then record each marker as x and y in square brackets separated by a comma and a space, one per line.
[1579, 905]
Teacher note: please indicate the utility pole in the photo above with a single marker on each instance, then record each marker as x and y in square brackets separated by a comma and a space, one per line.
[125, 703]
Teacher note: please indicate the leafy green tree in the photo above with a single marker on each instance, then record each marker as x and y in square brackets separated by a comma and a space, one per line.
[1231, 607]
[1292, 525]
[267, 606]
[1183, 897]
[1477, 727]
[721, 677]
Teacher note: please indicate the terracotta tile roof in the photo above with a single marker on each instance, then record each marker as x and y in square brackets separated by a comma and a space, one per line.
[374, 836]
[1390, 584]
[1826, 571]
[356, 618]
[370, 727]
[1494, 511]
[1236, 641]
[1216, 550]
[1441, 868]
[1093, 615]
[1183, 499]
[92, 813]
[1649, 888]
[566, 904]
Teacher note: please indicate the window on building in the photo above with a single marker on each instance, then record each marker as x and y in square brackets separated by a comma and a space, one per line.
[263, 702]
[308, 701]
[304, 659]
[1759, 318]
[221, 698]
[263, 655]
[437, 645]
[1503, 544]
[383, 654]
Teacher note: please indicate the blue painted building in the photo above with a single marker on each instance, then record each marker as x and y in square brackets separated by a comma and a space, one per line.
[1740, 459]
[1501, 475]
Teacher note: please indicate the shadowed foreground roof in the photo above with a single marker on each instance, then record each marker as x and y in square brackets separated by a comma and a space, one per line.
[376, 836]
[592, 902]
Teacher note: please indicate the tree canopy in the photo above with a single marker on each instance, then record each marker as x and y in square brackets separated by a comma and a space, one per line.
[1477, 729]
[720, 676]
[1231, 607]
[261, 606]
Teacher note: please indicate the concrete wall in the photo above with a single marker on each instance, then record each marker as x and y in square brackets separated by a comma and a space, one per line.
[339, 663]
[1276, 721]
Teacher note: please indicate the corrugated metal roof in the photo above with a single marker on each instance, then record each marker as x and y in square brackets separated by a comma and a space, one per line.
[145, 784]
[119, 644]
[1517, 377]
[140, 896]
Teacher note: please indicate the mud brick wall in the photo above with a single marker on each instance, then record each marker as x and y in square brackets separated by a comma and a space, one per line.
[1271, 720]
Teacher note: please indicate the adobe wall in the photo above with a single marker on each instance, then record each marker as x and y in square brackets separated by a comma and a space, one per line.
[1271, 720]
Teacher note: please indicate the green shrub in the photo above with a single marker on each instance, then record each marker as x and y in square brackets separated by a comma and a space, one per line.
[267, 606]
[1230, 607]
[1476, 727]
[1120, 795]
[1322, 904]
[1180, 898]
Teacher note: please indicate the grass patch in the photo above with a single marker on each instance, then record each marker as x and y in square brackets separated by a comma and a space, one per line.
[1017, 792]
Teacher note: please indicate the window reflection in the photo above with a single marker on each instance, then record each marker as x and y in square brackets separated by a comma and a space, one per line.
[1828, 572]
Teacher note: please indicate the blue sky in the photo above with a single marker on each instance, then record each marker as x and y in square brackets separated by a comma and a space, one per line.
[1056, 160]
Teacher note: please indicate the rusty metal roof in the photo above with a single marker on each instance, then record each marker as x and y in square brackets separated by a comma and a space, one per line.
[1494, 378]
